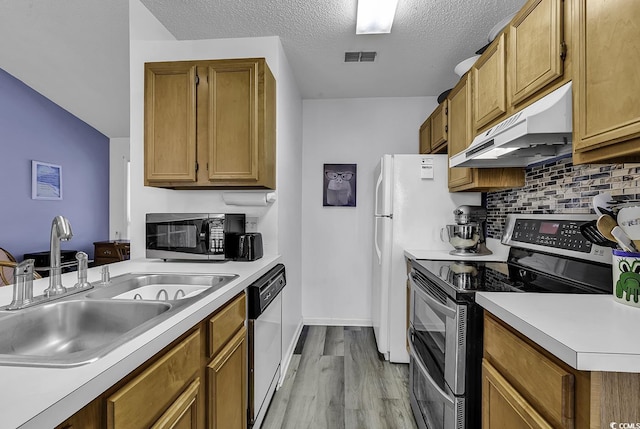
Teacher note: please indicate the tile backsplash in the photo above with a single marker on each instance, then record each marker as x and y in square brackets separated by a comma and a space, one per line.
[561, 187]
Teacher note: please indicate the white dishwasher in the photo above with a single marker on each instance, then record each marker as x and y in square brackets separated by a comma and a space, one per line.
[265, 341]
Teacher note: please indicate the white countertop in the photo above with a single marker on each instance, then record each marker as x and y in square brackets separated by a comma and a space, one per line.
[588, 332]
[44, 397]
[500, 252]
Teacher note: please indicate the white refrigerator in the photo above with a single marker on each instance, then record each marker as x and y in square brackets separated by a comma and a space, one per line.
[412, 204]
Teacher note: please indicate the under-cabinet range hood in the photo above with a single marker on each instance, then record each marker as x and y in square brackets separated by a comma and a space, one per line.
[537, 133]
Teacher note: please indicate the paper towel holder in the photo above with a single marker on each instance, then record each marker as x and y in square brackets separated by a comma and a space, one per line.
[248, 198]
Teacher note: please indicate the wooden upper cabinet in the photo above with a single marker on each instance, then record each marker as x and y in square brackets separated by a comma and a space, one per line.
[489, 83]
[210, 124]
[607, 82]
[459, 135]
[425, 136]
[170, 123]
[536, 48]
[232, 121]
[439, 128]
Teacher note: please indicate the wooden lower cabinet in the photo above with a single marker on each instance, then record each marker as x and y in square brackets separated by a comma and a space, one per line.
[227, 391]
[146, 398]
[503, 407]
[522, 381]
[183, 413]
[185, 386]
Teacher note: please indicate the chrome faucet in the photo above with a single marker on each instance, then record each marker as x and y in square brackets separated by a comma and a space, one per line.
[60, 231]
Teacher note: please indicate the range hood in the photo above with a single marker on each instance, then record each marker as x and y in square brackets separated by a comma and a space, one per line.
[540, 132]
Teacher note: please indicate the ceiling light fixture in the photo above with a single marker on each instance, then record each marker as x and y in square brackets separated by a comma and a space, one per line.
[375, 16]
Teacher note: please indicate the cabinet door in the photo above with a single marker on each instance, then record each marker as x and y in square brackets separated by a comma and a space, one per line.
[183, 413]
[607, 82]
[139, 403]
[170, 122]
[459, 129]
[536, 43]
[233, 120]
[227, 385]
[503, 407]
[489, 83]
[544, 383]
[425, 136]
[439, 128]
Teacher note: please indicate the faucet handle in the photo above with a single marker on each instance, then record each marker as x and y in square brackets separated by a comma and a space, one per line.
[106, 276]
[23, 284]
[83, 263]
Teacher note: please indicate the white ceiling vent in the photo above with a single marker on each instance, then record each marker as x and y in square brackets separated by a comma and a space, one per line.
[359, 57]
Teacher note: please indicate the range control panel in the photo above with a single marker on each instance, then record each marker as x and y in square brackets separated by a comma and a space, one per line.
[556, 234]
[560, 234]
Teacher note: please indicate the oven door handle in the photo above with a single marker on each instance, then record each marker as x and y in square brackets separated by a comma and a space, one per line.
[424, 371]
[438, 306]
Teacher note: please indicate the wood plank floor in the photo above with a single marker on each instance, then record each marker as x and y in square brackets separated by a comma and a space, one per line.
[337, 381]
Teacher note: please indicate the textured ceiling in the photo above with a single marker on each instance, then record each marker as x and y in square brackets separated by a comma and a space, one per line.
[76, 52]
[427, 40]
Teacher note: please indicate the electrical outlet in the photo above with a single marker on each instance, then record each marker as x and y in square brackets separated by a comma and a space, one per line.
[251, 224]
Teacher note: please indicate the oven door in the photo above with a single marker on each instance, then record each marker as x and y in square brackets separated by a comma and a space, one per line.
[433, 407]
[440, 324]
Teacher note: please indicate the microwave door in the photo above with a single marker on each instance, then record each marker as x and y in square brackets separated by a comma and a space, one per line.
[181, 236]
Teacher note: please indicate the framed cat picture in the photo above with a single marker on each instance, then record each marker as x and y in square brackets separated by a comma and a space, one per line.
[339, 185]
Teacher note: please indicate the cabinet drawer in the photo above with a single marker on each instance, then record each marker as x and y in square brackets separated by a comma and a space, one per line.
[541, 381]
[226, 322]
[503, 406]
[145, 398]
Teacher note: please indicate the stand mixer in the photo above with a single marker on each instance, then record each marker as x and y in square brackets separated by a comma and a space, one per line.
[467, 235]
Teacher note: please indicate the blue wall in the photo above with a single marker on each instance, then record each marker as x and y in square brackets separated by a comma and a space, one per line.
[34, 128]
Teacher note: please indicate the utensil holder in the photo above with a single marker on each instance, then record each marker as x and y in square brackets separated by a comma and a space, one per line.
[626, 277]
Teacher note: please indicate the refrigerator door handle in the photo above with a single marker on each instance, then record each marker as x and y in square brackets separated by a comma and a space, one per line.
[375, 241]
[378, 183]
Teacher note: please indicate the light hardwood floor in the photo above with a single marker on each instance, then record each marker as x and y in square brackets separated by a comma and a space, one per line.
[336, 380]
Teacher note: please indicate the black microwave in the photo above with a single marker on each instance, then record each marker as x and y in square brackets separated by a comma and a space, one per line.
[192, 236]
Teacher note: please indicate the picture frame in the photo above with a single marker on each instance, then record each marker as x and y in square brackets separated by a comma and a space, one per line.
[46, 181]
[339, 185]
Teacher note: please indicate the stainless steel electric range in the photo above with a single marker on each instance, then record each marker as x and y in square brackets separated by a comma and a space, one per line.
[547, 254]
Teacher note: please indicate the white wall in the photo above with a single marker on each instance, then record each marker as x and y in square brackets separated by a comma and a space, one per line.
[289, 162]
[280, 222]
[337, 242]
[118, 188]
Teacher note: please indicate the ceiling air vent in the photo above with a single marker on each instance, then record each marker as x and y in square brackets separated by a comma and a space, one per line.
[355, 57]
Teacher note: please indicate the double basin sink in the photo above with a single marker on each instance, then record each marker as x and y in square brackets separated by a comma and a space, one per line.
[86, 326]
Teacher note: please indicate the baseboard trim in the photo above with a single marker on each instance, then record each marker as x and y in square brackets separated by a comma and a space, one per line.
[337, 322]
[286, 359]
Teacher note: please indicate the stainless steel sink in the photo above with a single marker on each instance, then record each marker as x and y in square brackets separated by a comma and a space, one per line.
[84, 327]
[71, 333]
[161, 287]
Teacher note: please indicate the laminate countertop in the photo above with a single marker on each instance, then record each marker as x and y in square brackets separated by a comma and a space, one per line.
[588, 332]
[36, 397]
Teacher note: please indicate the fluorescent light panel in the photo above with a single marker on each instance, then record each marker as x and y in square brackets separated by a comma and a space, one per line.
[375, 16]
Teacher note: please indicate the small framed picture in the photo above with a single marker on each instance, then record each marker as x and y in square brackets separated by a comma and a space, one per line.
[46, 181]
[339, 185]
